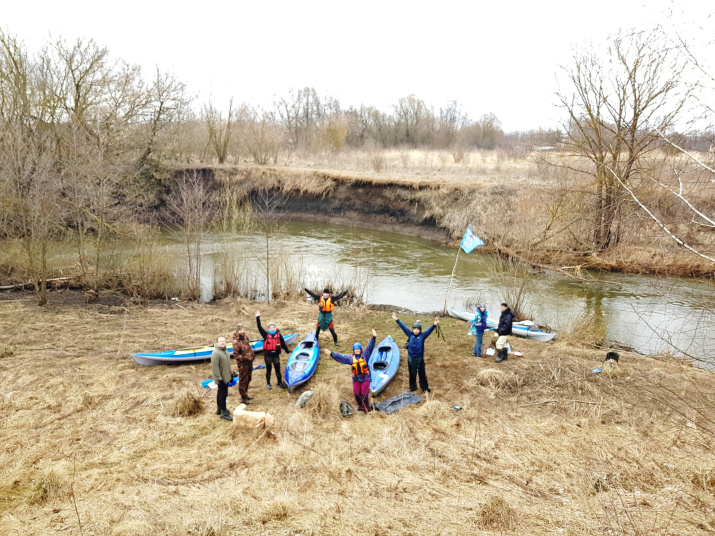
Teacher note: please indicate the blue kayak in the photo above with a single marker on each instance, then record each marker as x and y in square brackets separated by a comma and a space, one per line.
[199, 353]
[302, 362]
[383, 364]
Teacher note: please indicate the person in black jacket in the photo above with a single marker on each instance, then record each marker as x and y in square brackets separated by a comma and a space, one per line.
[503, 330]
[272, 344]
[326, 303]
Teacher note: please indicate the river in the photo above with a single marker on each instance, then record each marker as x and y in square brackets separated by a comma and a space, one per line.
[653, 315]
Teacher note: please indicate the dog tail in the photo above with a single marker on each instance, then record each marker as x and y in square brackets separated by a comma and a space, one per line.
[240, 408]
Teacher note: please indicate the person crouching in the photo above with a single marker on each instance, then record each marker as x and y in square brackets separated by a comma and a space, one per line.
[504, 329]
[221, 369]
[360, 369]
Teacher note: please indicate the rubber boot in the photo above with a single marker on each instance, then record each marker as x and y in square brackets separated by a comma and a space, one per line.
[268, 386]
[226, 415]
[218, 412]
[246, 400]
[282, 385]
[502, 356]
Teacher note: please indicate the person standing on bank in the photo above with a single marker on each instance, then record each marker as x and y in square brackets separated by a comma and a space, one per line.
[479, 325]
[503, 331]
[244, 355]
[326, 304]
[361, 370]
[221, 369]
[272, 344]
[416, 352]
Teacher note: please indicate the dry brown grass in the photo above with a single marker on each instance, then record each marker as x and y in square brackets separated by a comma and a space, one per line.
[188, 405]
[551, 448]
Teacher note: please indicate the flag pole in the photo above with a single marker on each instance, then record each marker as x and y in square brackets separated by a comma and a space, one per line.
[446, 296]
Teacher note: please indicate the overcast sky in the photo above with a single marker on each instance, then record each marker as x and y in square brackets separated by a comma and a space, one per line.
[499, 57]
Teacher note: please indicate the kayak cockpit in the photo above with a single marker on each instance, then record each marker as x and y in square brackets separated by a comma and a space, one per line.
[303, 356]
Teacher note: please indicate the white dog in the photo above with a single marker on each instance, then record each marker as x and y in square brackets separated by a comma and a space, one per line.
[252, 419]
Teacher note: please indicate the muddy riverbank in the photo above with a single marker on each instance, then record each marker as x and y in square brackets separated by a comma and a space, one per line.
[509, 216]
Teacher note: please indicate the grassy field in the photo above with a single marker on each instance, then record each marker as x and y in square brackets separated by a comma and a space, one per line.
[541, 446]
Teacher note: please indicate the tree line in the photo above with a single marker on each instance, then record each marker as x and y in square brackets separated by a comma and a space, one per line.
[88, 141]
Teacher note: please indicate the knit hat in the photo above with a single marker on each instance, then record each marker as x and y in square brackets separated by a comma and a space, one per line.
[612, 355]
[239, 327]
[326, 291]
[481, 305]
[271, 324]
[504, 304]
[417, 325]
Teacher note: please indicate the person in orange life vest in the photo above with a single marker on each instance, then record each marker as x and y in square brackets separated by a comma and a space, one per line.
[326, 303]
[272, 344]
[361, 371]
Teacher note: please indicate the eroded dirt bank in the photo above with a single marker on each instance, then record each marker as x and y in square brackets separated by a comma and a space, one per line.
[513, 219]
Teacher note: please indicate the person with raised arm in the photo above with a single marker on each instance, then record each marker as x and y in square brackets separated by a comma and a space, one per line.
[416, 351]
[360, 369]
[272, 344]
[326, 304]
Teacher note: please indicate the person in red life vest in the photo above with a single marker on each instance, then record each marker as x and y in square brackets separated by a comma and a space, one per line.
[326, 304]
[361, 371]
[272, 344]
[244, 355]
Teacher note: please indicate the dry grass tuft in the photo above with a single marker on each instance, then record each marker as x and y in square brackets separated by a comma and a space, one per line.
[586, 331]
[496, 514]
[433, 410]
[48, 485]
[490, 377]
[278, 510]
[206, 529]
[188, 405]
[704, 479]
[6, 351]
[325, 401]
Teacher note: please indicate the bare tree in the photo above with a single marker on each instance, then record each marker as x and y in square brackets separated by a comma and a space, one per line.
[190, 209]
[267, 203]
[220, 128]
[613, 105]
[412, 117]
[260, 135]
[28, 166]
[167, 103]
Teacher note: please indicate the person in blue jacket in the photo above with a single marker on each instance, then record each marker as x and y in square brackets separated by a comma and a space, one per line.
[416, 352]
[479, 325]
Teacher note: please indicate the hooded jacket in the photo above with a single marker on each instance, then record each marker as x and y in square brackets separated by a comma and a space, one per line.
[416, 343]
[505, 322]
[479, 322]
[242, 350]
